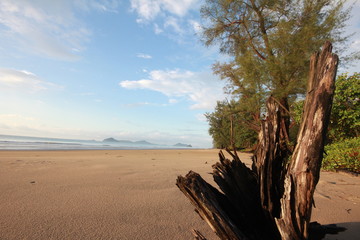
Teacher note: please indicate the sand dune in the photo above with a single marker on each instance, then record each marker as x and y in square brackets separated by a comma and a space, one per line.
[129, 194]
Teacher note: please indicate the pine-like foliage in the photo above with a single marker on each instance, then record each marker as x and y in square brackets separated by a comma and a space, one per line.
[271, 40]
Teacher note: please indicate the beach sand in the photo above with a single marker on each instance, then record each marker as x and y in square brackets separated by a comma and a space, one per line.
[129, 194]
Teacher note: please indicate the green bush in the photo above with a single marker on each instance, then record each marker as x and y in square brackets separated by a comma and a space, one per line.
[343, 155]
[345, 113]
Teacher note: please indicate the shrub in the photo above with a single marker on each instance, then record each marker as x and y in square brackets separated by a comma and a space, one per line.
[343, 155]
[345, 113]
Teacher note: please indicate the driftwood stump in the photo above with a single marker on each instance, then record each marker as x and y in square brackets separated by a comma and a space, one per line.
[273, 200]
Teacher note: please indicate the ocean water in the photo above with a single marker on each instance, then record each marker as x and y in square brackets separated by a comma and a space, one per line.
[8, 142]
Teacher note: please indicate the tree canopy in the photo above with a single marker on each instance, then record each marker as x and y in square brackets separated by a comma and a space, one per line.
[345, 116]
[229, 127]
[271, 41]
[345, 113]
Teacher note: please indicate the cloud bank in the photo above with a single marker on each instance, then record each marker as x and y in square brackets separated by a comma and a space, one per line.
[169, 17]
[201, 88]
[23, 80]
[150, 9]
[48, 28]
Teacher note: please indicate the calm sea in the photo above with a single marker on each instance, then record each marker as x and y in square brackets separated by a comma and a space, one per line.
[8, 142]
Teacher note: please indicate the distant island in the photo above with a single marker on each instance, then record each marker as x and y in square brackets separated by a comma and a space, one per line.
[182, 145]
[113, 140]
[142, 142]
[110, 140]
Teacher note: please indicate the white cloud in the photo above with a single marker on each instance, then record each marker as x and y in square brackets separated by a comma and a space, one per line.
[201, 117]
[173, 23]
[23, 80]
[24, 125]
[143, 55]
[48, 28]
[195, 25]
[146, 9]
[169, 17]
[17, 124]
[201, 88]
[172, 19]
[99, 5]
[15, 119]
[173, 101]
[157, 29]
[150, 9]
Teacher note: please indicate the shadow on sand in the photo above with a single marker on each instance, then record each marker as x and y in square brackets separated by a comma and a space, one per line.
[338, 231]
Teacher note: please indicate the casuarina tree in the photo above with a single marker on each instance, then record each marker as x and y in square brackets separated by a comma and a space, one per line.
[270, 43]
[274, 199]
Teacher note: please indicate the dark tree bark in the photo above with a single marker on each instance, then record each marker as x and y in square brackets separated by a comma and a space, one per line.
[304, 169]
[236, 213]
[273, 200]
[269, 158]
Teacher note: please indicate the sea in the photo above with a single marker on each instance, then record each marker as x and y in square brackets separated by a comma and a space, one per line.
[11, 142]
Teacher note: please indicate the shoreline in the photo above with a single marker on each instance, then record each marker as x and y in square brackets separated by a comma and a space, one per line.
[108, 149]
[13, 142]
[130, 194]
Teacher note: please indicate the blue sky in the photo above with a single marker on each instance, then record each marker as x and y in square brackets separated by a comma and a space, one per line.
[92, 69]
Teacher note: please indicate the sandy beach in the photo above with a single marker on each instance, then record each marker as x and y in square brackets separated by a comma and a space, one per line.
[129, 194]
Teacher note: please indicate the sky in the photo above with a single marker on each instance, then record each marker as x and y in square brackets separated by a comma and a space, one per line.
[93, 69]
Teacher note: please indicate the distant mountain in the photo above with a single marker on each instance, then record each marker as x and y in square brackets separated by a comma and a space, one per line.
[113, 140]
[143, 142]
[110, 140]
[182, 145]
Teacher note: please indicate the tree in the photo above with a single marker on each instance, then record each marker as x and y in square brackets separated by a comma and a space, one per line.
[274, 199]
[229, 127]
[219, 122]
[345, 114]
[271, 43]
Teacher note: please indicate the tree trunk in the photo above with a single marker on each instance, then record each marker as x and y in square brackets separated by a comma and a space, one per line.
[304, 169]
[236, 213]
[273, 200]
[269, 158]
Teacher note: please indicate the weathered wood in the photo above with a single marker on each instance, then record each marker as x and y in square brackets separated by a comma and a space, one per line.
[198, 235]
[240, 186]
[269, 159]
[274, 199]
[236, 213]
[211, 205]
[304, 169]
